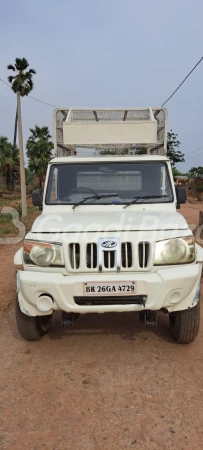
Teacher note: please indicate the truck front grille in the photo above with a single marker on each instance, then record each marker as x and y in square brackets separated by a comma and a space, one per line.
[109, 259]
[74, 256]
[126, 255]
[91, 256]
[131, 257]
[121, 300]
[143, 253]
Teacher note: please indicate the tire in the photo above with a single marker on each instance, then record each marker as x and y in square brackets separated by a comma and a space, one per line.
[29, 327]
[142, 316]
[184, 325]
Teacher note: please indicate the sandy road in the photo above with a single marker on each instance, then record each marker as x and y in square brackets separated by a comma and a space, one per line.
[108, 384]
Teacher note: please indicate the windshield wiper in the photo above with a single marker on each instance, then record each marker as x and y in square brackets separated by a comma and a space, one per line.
[145, 197]
[96, 197]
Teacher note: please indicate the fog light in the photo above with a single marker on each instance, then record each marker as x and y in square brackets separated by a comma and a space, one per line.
[44, 303]
[174, 297]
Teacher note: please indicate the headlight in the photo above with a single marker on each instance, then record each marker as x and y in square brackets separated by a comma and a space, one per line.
[42, 254]
[175, 251]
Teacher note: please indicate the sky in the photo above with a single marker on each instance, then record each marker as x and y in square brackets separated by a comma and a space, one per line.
[107, 53]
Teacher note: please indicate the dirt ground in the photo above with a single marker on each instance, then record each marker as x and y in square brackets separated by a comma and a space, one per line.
[109, 383]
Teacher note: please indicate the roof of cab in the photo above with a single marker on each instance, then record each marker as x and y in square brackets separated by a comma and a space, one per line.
[111, 158]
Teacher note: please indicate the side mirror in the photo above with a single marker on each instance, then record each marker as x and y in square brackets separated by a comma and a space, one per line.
[37, 198]
[181, 194]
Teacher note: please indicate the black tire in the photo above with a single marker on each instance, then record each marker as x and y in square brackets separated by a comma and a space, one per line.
[184, 325]
[142, 316]
[29, 327]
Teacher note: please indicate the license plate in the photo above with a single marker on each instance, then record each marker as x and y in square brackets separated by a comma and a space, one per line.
[109, 288]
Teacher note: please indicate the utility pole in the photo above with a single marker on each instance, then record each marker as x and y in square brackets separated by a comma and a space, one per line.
[22, 166]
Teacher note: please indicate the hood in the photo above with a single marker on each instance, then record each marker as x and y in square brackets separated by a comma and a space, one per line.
[93, 221]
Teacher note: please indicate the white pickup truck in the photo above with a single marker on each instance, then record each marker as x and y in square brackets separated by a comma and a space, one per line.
[109, 238]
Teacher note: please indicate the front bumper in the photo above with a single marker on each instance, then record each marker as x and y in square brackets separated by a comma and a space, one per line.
[174, 289]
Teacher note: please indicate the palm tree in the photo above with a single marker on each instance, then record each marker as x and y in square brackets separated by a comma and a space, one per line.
[9, 160]
[21, 84]
[39, 151]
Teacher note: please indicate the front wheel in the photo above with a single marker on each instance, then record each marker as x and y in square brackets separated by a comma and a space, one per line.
[184, 325]
[29, 327]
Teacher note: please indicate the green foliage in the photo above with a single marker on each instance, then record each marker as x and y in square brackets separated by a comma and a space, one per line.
[19, 209]
[30, 209]
[176, 172]
[29, 176]
[175, 155]
[5, 231]
[22, 80]
[199, 188]
[196, 172]
[9, 160]
[5, 218]
[7, 153]
[39, 151]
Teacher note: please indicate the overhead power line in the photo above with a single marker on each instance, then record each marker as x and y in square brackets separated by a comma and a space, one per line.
[45, 103]
[194, 151]
[53, 106]
[33, 98]
[5, 82]
[183, 81]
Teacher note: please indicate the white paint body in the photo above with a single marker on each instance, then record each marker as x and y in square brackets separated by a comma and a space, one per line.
[170, 287]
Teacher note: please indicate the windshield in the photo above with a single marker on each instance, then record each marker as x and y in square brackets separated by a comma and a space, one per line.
[109, 183]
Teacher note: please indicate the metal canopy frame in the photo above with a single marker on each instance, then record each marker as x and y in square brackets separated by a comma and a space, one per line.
[96, 131]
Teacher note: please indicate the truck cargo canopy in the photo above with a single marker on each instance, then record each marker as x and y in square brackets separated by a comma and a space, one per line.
[86, 131]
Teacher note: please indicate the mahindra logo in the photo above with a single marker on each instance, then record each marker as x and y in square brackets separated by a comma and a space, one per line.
[109, 244]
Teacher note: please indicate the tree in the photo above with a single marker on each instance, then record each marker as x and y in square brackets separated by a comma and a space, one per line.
[21, 84]
[196, 172]
[175, 155]
[39, 151]
[9, 161]
[29, 176]
[176, 172]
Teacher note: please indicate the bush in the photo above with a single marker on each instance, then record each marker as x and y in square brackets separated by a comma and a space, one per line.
[5, 218]
[200, 188]
[19, 209]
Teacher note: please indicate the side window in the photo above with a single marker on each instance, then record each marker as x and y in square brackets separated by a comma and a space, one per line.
[54, 185]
